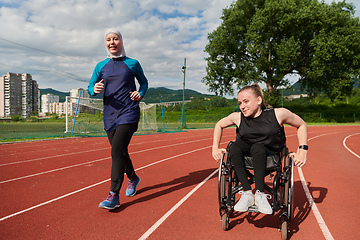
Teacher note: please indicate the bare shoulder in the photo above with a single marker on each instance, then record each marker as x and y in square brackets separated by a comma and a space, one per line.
[282, 111]
[236, 118]
[285, 116]
[232, 119]
[282, 114]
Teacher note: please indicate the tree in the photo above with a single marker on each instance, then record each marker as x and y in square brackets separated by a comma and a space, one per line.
[265, 41]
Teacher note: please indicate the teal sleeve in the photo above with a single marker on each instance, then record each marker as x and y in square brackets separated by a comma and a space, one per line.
[96, 76]
[142, 80]
[138, 72]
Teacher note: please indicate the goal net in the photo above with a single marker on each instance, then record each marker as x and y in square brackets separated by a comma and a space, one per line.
[147, 117]
[85, 116]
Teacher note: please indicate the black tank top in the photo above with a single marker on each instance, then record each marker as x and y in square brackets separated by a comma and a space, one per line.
[263, 129]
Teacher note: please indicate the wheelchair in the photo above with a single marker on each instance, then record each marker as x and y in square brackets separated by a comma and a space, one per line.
[280, 167]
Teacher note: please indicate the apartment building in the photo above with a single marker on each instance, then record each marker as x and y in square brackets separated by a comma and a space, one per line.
[74, 94]
[46, 101]
[19, 95]
[58, 108]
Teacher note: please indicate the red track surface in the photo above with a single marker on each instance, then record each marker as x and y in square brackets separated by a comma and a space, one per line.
[51, 189]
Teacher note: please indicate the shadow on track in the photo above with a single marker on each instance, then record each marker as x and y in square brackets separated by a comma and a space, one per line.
[191, 179]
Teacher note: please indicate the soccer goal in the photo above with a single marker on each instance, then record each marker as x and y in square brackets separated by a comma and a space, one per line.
[147, 117]
[85, 116]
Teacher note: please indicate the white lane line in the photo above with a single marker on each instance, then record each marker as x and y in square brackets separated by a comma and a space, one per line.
[176, 206]
[52, 200]
[54, 170]
[67, 154]
[42, 158]
[347, 146]
[325, 230]
[81, 164]
[82, 189]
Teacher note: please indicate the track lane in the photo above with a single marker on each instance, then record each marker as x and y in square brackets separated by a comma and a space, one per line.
[98, 200]
[328, 175]
[163, 185]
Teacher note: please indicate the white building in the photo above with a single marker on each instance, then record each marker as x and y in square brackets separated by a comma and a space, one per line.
[74, 94]
[46, 101]
[58, 108]
[19, 95]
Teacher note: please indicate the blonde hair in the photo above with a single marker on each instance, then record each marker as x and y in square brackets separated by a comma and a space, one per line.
[256, 89]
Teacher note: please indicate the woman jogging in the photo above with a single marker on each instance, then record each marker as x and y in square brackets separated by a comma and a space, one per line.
[115, 78]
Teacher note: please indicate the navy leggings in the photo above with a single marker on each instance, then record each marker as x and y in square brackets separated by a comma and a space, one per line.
[121, 163]
[258, 152]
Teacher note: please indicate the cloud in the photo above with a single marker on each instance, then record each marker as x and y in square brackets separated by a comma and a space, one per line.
[59, 42]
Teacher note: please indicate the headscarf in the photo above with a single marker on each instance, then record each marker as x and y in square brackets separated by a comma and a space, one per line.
[121, 52]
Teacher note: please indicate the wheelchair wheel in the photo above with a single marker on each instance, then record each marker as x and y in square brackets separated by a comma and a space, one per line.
[225, 183]
[289, 189]
[225, 222]
[284, 230]
[288, 197]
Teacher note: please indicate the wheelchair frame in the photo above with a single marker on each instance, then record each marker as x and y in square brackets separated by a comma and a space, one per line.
[282, 191]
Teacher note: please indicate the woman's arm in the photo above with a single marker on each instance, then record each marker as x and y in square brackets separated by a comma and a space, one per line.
[232, 119]
[285, 116]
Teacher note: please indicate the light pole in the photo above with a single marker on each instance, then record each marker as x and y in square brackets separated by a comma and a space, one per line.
[183, 122]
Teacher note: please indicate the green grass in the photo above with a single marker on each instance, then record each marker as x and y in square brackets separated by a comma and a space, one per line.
[20, 131]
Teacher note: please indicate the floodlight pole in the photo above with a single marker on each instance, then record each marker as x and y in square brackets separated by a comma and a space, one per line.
[183, 122]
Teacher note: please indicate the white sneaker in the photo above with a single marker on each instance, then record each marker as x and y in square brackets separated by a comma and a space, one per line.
[262, 203]
[247, 199]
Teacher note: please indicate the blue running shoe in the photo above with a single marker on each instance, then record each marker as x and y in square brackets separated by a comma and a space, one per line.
[131, 189]
[111, 202]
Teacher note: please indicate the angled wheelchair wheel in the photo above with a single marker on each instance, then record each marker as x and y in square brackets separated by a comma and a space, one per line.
[288, 197]
[289, 188]
[225, 183]
[225, 222]
[284, 230]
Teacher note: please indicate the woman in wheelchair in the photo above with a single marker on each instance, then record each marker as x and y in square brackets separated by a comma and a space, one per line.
[260, 133]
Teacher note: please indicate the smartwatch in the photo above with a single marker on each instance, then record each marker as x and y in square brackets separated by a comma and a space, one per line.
[305, 147]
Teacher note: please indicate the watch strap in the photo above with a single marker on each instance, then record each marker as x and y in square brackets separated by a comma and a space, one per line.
[305, 147]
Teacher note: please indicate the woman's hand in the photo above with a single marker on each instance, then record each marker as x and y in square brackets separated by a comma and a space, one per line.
[299, 157]
[218, 153]
[99, 87]
[135, 96]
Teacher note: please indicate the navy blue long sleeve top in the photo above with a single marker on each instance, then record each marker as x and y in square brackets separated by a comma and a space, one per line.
[119, 80]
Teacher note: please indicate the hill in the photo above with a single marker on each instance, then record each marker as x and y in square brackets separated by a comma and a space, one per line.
[294, 90]
[61, 95]
[153, 95]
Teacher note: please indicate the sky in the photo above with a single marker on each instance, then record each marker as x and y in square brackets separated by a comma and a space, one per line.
[59, 42]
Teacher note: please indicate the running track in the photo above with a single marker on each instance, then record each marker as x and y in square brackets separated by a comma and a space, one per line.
[51, 189]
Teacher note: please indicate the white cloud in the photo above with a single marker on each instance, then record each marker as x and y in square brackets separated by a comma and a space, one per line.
[59, 42]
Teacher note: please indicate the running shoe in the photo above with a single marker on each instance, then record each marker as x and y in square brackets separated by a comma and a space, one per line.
[132, 185]
[246, 200]
[262, 203]
[111, 202]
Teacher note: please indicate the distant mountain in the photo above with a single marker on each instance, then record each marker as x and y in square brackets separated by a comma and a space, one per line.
[294, 90]
[153, 95]
[61, 95]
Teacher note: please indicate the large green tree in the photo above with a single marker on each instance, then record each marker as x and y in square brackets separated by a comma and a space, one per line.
[266, 41]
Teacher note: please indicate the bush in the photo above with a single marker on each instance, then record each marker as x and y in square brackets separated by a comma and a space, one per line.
[17, 118]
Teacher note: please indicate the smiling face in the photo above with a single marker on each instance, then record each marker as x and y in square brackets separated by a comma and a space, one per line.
[113, 43]
[249, 104]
